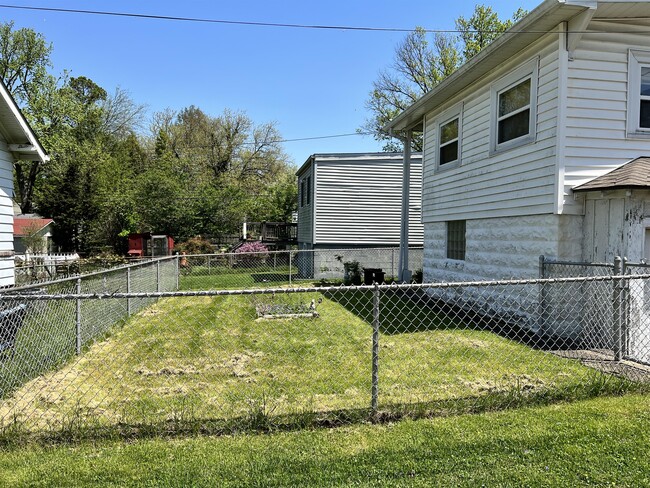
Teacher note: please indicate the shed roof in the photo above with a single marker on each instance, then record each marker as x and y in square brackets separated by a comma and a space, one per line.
[26, 225]
[543, 19]
[356, 158]
[633, 174]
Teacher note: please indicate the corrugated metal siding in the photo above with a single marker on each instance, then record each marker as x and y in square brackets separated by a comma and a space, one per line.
[305, 224]
[359, 201]
[6, 214]
[519, 181]
[596, 132]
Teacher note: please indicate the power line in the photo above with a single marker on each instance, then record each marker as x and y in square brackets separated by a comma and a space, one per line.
[323, 137]
[213, 21]
[266, 24]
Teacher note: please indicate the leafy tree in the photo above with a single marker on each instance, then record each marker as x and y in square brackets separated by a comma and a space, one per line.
[483, 27]
[419, 65]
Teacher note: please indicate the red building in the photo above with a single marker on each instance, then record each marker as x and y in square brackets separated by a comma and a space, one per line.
[148, 244]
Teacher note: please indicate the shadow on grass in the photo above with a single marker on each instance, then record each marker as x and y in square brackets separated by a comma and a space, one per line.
[409, 311]
[79, 429]
[400, 311]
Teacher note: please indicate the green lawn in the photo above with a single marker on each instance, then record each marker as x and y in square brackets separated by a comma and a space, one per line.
[226, 278]
[208, 364]
[598, 442]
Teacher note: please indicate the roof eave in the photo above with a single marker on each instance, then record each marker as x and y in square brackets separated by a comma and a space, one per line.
[532, 27]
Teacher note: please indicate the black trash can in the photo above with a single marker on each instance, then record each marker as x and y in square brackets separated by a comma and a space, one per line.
[373, 275]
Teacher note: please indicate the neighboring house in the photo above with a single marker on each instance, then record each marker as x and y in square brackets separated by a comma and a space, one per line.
[354, 201]
[17, 141]
[32, 231]
[513, 137]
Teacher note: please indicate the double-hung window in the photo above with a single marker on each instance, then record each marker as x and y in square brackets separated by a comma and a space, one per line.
[449, 137]
[514, 103]
[638, 95]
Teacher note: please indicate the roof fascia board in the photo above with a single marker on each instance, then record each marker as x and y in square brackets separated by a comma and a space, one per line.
[577, 26]
[529, 29]
[26, 129]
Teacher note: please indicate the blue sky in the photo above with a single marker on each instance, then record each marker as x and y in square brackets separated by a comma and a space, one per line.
[310, 82]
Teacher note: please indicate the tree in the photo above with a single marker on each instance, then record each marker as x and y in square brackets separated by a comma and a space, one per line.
[419, 66]
[416, 69]
[483, 27]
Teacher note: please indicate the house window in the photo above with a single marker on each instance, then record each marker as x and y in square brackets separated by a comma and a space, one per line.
[302, 192]
[514, 100]
[638, 96]
[456, 240]
[308, 190]
[513, 118]
[449, 137]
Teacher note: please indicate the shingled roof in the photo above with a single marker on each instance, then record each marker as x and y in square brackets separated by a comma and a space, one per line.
[635, 174]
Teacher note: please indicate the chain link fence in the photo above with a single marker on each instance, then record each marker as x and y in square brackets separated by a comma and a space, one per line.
[103, 356]
[276, 268]
[42, 335]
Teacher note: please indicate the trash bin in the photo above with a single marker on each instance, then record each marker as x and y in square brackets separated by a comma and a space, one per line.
[373, 275]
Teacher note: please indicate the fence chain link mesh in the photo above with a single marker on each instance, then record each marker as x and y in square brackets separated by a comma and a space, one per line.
[230, 352]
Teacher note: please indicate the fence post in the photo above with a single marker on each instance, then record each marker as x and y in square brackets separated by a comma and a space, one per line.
[617, 308]
[374, 394]
[158, 275]
[290, 266]
[78, 320]
[178, 272]
[392, 263]
[543, 299]
[128, 290]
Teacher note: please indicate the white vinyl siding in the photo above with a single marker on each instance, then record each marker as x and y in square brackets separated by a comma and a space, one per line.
[519, 181]
[596, 139]
[6, 215]
[358, 201]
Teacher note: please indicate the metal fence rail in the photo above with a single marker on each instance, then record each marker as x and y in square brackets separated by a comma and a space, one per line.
[275, 268]
[266, 357]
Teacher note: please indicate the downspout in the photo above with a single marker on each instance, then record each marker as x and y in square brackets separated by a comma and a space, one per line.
[404, 274]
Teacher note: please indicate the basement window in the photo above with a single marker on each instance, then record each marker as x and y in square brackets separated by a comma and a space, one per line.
[456, 239]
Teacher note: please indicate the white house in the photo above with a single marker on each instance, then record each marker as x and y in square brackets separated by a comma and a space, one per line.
[17, 141]
[354, 201]
[561, 98]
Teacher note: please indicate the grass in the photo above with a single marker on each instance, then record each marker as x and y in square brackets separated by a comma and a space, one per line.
[205, 364]
[225, 278]
[598, 442]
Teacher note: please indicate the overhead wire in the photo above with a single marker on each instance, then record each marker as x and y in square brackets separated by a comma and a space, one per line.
[267, 24]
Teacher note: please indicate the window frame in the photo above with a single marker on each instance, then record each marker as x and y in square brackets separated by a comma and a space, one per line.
[456, 249]
[455, 112]
[637, 59]
[527, 71]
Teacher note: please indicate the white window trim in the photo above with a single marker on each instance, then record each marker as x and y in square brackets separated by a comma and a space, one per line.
[528, 70]
[455, 112]
[636, 60]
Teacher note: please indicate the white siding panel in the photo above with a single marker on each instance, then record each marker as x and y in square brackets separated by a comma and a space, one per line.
[6, 214]
[515, 182]
[359, 202]
[596, 138]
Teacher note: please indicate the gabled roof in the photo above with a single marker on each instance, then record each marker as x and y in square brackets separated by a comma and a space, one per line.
[16, 129]
[633, 174]
[26, 225]
[543, 19]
